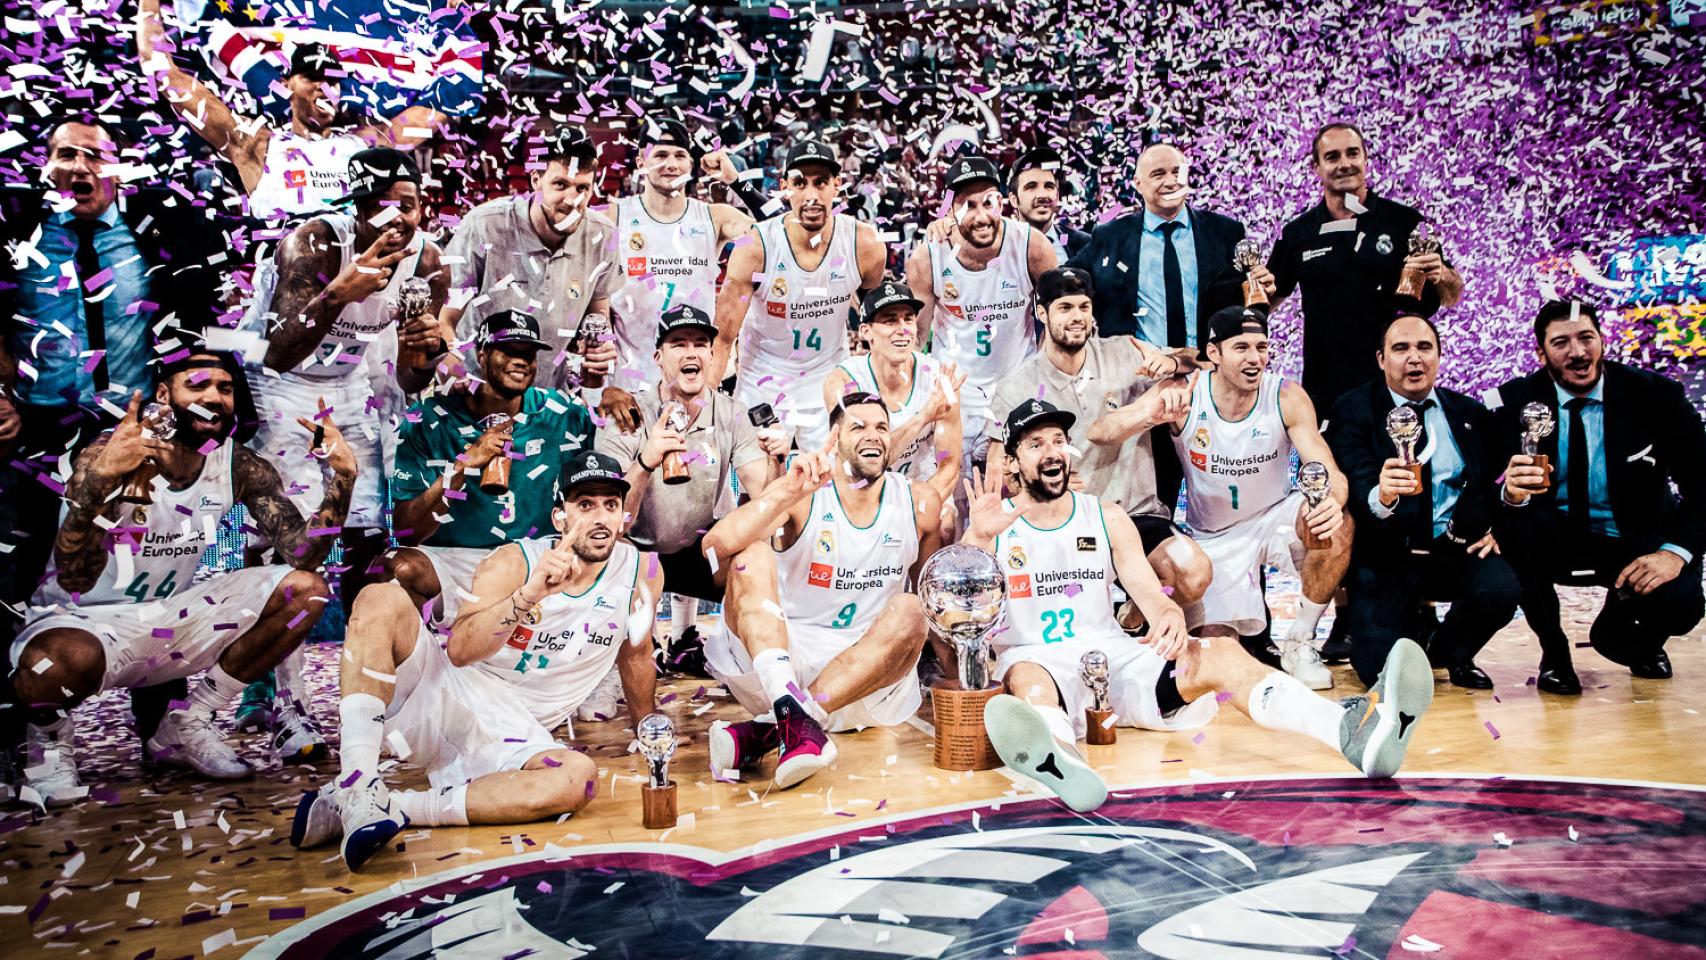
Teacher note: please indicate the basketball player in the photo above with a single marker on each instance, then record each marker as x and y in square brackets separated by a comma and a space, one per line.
[977, 288]
[122, 608]
[300, 170]
[1060, 552]
[1235, 443]
[922, 395]
[319, 334]
[845, 536]
[787, 292]
[548, 619]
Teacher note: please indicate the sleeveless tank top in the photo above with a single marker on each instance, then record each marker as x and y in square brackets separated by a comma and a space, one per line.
[839, 575]
[918, 460]
[1060, 579]
[982, 322]
[664, 264]
[1233, 468]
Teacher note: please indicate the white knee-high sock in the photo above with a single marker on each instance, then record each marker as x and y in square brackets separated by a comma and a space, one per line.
[444, 807]
[215, 690]
[361, 729]
[1280, 702]
[290, 675]
[1308, 618]
[775, 671]
[683, 614]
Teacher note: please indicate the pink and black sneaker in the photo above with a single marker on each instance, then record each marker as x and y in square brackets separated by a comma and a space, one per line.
[806, 749]
[738, 746]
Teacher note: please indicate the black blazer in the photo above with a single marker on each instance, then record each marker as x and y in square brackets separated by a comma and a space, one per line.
[1357, 434]
[1111, 257]
[1653, 438]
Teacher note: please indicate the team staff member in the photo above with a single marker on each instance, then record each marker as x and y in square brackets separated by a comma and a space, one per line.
[1426, 540]
[448, 522]
[1346, 253]
[1609, 516]
[719, 443]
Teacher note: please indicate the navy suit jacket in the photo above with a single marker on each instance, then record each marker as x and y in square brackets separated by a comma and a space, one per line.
[1111, 257]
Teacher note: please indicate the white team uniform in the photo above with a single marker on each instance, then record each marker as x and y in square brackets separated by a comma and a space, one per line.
[153, 622]
[303, 176]
[455, 568]
[918, 460]
[1239, 505]
[664, 265]
[1060, 606]
[462, 723]
[983, 323]
[834, 582]
[796, 328]
[340, 371]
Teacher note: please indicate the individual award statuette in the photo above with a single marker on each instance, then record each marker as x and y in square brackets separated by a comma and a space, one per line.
[1423, 241]
[1404, 426]
[158, 422]
[656, 735]
[964, 595]
[1538, 424]
[1099, 716]
[674, 467]
[1316, 484]
[592, 330]
[494, 479]
[1247, 256]
[413, 298]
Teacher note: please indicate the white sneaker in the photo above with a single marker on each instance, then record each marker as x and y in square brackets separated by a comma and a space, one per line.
[1021, 736]
[295, 739]
[369, 819]
[1302, 659]
[602, 703]
[319, 817]
[188, 738]
[51, 770]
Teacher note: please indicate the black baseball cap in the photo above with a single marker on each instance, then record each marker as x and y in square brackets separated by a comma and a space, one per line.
[1229, 322]
[812, 151]
[374, 170]
[511, 327]
[669, 132]
[1064, 282]
[969, 170]
[312, 60]
[684, 316]
[1034, 413]
[1044, 157]
[887, 294]
[589, 466]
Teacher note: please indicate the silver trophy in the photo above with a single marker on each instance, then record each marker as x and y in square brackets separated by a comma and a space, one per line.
[1247, 256]
[592, 330]
[1314, 481]
[158, 422]
[656, 734]
[964, 595]
[1404, 426]
[1537, 424]
[1093, 668]
[413, 298]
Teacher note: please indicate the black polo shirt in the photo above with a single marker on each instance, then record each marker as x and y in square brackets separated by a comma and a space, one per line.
[1348, 270]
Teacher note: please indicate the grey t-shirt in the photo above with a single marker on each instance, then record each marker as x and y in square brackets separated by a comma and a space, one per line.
[1123, 474]
[720, 441]
[497, 262]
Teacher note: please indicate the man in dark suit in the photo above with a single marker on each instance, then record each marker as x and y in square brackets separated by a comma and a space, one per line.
[1603, 511]
[1426, 539]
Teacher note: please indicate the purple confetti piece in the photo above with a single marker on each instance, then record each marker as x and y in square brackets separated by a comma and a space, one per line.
[1491, 729]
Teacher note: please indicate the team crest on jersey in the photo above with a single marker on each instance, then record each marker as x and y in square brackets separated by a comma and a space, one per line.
[1384, 244]
[779, 287]
[574, 290]
[825, 542]
[819, 575]
[1199, 448]
[950, 291]
[1016, 557]
[139, 515]
[636, 241]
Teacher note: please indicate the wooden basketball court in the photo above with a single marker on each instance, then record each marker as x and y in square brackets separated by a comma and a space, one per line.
[169, 866]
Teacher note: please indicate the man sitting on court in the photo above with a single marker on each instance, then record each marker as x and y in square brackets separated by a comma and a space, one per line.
[838, 537]
[1060, 552]
[122, 608]
[548, 618]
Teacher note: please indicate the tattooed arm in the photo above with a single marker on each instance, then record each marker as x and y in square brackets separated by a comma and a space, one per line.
[80, 550]
[260, 490]
[311, 291]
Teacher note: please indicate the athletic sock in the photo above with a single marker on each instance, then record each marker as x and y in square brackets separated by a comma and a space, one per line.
[361, 727]
[684, 611]
[215, 690]
[1308, 617]
[1280, 701]
[444, 807]
[1059, 724]
[775, 671]
[288, 678]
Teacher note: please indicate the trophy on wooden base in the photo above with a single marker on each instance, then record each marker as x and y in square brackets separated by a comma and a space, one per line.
[1247, 256]
[413, 298]
[158, 422]
[964, 595]
[1404, 426]
[1316, 483]
[1098, 717]
[592, 330]
[674, 468]
[1423, 241]
[1538, 424]
[494, 478]
[656, 735]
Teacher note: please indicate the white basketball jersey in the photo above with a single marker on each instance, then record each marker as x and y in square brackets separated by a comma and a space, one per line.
[796, 326]
[554, 664]
[342, 352]
[303, 176]
[838, 575]
[918, 460]
[1059, 580]
[1233, 468]
[982, 321]
[154, 548]
[664, 264]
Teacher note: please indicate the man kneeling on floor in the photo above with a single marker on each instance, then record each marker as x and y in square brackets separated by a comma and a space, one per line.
[548, 619]
[835, 540]
[1049, 540]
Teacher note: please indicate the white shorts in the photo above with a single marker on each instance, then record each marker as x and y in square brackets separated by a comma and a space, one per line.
[179, 636]
[455, 568]
[458, 723]
[283, 441]
[1234, 596]
[811, 649]
[1133, 672]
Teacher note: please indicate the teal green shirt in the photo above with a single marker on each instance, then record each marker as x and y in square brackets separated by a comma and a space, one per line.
[550, 427]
